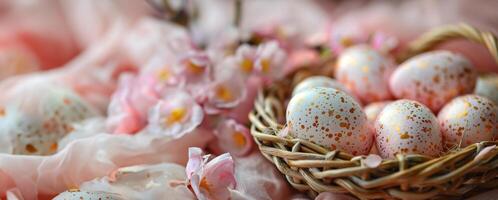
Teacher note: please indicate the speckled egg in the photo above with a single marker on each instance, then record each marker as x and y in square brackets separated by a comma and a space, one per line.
[330, 118]
[487, 86]
[87, 195]
[433, 78]
[365, 72]
[37, 127]
[373, 110]
[318, 81]
[406, 126]
[468, 119]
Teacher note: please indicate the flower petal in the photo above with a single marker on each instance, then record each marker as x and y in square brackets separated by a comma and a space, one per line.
[195, 66]
[372, 161]
[270, 59]
[129, 104]
[234, 138]
[283, 132]
[227, 91]
[217, 177]
[195, 161]
[253, 85]
[484, 151]
[245, 58]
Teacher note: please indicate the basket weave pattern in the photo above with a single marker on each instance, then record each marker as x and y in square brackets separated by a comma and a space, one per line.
[313, 169]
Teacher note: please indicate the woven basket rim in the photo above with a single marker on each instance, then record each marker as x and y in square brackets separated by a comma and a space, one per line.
[313, 169]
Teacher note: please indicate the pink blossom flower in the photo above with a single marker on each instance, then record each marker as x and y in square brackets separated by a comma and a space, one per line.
[245, 57]
[341, 39]
[210, 179]
[252, 85]
[129, 104]
[270, 60]
[161, 67]
[226, 91]
[175, 115]
[284, 33]
[233, 137]
[195, 66]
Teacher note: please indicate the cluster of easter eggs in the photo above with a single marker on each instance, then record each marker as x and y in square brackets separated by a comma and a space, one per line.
[423, 106]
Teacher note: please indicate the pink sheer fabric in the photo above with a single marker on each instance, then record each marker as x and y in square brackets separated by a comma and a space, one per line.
[124, 55]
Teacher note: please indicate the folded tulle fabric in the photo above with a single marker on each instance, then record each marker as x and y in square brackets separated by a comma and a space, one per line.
[254, 179]
[86, 158]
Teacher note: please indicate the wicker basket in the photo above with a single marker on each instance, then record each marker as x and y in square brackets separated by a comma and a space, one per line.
[313, 169]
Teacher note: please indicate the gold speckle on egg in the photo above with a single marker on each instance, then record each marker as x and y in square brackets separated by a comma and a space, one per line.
[31, 149]
[404, 136]
[465, 111]
[53, 147]
[66, 101]
[365, 69]
[2, 111]
[423, 64]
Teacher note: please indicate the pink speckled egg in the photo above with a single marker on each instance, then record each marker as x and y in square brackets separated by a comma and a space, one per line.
[406, 126]
[468, 119]
[433, 78]
[330, 118]
[365, 72]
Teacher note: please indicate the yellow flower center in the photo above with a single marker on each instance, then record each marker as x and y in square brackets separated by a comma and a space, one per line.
[196, 69]
[164, 75]
[246, 65]
[239, 139]
[224, 93]
[265, 65]
[176, 115]
[204, 184]
[346, 41]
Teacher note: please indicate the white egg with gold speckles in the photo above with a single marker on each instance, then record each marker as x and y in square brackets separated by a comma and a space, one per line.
[37, 127]
[87, 195]
[468, 119]
[365, 72]
[407, 127]
[433, 78]
[330, 118]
